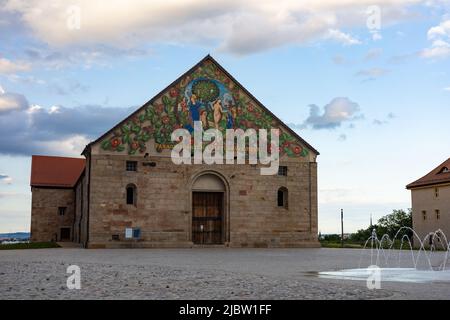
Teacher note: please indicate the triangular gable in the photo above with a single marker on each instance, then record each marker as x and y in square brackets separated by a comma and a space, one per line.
[207, 93]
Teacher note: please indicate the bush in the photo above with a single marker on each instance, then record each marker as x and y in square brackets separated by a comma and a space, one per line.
[28, 245]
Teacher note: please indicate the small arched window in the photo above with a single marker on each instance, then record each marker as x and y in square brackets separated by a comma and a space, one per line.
[131, 194]
[282, 198]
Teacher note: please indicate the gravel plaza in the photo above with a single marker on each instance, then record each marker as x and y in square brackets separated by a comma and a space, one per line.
[198, 273]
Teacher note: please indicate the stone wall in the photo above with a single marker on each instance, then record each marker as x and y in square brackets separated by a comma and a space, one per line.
[424, 199]
[45, 219]
[163, 210]
[81, 211]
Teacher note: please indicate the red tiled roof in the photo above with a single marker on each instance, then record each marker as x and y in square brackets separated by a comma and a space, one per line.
[49, 171]
[436, 176]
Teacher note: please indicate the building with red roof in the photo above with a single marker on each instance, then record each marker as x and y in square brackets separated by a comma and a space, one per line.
[431, 201]
[53, 181]
[127, 191]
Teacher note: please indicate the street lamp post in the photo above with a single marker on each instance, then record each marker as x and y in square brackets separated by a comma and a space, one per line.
[342, 228]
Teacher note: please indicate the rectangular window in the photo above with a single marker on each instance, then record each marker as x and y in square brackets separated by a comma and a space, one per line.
[282, 171]
[115, 237]
[436, 192]
[136, 233]
[424, 215]
[438, 214]
[131, 165]
[62, 210]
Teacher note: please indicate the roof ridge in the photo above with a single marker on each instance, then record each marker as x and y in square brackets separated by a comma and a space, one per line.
[432, 177]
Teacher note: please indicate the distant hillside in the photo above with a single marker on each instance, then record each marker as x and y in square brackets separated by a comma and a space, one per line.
[15, 235]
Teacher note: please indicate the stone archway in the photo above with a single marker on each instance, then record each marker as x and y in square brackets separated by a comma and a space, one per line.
[209, 209]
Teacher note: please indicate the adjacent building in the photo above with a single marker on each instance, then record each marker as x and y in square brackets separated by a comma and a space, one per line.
[127, 191]
[431, 201]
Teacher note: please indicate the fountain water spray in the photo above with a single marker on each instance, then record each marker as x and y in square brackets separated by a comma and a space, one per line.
[426, 263]
[382, 249]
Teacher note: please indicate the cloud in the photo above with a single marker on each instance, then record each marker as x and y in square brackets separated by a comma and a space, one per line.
[240, 27]
[6, 179]
[447, 89]
[338, 59]
[336, 112]
[372, 73]
[94, 54]
[11, 102]
[8, 66]
[442, 30]
[341, 37]
[440, 37]
[342, 137]
[56, 130]
[67, 87]
[379, 122]
[373, 54]
[402, 58]
[389, 117]
[439, 49]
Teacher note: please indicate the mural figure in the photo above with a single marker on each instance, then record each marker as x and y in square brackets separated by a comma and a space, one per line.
[196, 110]
[217, 106]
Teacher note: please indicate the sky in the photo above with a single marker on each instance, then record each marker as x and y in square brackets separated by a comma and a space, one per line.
[367, 83]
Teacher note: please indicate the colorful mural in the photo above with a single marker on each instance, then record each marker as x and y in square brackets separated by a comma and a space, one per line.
[205, 95]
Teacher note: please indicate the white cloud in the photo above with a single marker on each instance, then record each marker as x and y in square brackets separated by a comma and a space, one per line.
[71, 146]
[442, 30]
[8, 66]
[342, 37]
[336, 112]
[440, 37]
[447, 89]
[438, 49]
[236, 26]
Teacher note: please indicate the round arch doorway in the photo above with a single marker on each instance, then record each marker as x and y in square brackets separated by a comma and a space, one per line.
[209, 209]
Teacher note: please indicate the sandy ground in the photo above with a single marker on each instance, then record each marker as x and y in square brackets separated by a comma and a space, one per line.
[200, 273]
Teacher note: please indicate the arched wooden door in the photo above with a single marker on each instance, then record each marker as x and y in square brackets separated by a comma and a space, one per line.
[208, 207]
[207, 217]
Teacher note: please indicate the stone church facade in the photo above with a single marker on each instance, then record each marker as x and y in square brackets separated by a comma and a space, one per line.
[127, 192]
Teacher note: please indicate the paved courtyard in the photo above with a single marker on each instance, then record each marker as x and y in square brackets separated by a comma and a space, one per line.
[200, 273]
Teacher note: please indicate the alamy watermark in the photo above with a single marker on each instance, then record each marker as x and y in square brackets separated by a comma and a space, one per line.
[374, 280]
[213, 153]
[373, 21]
[73, 20]
[74, 280]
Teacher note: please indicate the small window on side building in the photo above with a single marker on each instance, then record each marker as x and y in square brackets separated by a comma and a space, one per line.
[424, 215]
[438, 214]
[436, 192]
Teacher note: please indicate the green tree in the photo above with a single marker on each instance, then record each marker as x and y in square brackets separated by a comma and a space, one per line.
[393, 222]
[205, 90]
[389, 224]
